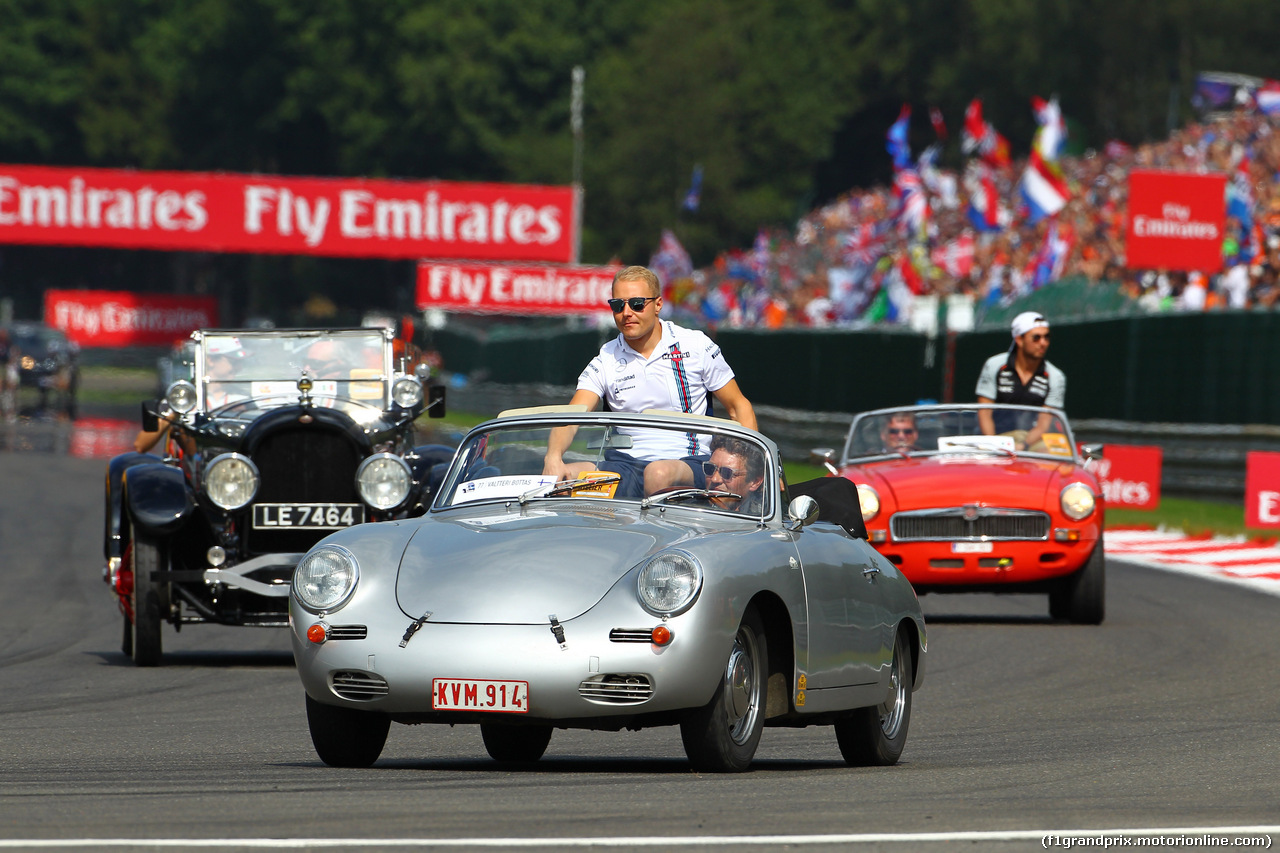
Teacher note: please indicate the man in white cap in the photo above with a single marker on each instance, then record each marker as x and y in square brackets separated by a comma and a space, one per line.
[1023, 376]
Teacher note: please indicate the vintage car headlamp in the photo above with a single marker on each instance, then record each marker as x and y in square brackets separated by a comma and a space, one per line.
[384, 481]
[181, 396]
[231, 481]
[1077, 501]
[325, 578]
[669, 583]
[868, 501]
[406, 392]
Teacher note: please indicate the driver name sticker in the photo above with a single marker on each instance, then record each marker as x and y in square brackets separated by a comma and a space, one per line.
[487, 488]
[975, 443]
[312, 516]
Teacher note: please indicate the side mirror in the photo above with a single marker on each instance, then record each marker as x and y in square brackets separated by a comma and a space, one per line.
[150, 420]
[823, 457]
[1091, 451]
[435, 401]
[802, 512]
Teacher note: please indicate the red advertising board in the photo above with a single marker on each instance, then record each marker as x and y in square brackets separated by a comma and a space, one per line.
[349, 217]
[1130, 475]
[105, 318]
[1176, 221]
[514, 289]
[1262, 489]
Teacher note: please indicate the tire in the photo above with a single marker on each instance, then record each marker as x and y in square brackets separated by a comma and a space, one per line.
[875, 736]
[345, 737]
[517, 744]
[126, 643]
[146, 557]
[722, 736]
[1082, 598]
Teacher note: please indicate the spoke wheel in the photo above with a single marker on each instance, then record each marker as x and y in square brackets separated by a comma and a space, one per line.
[516, 744]
[345, 737]
[875, 736]
[722, 736]
[146, 557]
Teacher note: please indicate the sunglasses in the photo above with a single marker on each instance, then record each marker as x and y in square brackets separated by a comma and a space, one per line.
[635, 303]
[726, 473]
[1035, 339]
[902, 432]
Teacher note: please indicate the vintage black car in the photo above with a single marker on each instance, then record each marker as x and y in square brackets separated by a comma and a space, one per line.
[47, 362]
[274, 440]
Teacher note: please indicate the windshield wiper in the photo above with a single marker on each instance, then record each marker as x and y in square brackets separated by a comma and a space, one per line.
[568, 486]
[682, 494]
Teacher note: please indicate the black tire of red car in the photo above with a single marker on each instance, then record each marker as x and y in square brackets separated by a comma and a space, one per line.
[722, 736]
[875, 736]
[346, 737]
[1082, 597]
[147, 557]
[516, 744]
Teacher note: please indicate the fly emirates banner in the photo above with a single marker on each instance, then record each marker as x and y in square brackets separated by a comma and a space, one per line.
[347, 217]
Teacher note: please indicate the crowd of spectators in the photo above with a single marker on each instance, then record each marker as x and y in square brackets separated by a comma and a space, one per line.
[849, 264]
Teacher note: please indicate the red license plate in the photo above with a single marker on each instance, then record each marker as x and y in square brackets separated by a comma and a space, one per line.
[461, 694]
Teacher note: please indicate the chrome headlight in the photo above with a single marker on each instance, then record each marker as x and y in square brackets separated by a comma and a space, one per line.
[868, 501]
[325, 578]
[384, 480]
[231, 481]
[669, 583]
[181, 396]
[406, 392]
[1077, 501]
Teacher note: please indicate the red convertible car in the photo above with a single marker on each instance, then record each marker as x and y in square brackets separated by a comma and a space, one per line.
[981, 498]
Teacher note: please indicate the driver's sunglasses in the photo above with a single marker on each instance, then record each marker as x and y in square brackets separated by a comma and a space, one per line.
[1035, 339]
[726, 473]
[907, 431]
[635, 303]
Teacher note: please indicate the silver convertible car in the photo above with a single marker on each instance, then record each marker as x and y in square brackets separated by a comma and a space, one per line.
[524, 603]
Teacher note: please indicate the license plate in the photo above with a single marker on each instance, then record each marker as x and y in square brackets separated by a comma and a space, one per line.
[307, 516]
[972, 547]
[457, 694]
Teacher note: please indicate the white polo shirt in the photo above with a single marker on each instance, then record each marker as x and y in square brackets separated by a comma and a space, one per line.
[684, 370]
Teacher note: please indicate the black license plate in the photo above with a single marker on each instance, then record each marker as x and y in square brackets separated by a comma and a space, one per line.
[307, 516]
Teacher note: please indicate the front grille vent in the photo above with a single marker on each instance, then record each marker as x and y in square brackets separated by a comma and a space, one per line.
[950, 525]
[631, 635]
[359, 686]
[617, 689]
[348, 632]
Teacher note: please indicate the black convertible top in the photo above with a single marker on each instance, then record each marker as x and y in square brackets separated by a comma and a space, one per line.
[837, 500]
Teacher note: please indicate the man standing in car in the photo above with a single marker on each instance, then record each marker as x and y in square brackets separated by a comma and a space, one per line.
[652, 364]
[1024, 376]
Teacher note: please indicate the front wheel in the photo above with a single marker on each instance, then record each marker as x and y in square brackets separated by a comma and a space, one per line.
[345, 737]
[722, 736]
[518, 744]
[875, 736]
[1082, 598]
[146, 558]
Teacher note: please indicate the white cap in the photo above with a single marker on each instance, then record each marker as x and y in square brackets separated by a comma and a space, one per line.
[1026, 321]
[230, 347]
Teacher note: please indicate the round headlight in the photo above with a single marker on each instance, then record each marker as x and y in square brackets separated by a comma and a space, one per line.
[325, 578]
[406, 392]
[383, 481]
[181, 396]
[231, 481]
[1077, 501]
[868, 501]
[669, 582]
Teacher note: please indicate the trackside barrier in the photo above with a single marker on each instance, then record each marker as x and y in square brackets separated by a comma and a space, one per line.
[1199, 461]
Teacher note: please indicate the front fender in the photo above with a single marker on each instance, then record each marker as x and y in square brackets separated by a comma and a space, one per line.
[113, 545]
[157, 498]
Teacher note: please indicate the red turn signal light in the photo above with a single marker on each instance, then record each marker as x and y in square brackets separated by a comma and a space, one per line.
[317, 633]
[660, 635]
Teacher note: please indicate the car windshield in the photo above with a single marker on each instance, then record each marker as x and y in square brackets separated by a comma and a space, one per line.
[505, 462]
[243, 371]
[975, 429]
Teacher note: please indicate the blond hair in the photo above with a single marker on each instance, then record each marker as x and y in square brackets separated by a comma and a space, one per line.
[639, 273]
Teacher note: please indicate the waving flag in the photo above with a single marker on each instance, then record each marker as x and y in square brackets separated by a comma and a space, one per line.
[956, 257]
[1267, 98]
[899, 148]
[863, 244]
[939, 126]
[693, 197]
[984, 204]
[981, 138]
[1052, 135]
[1052, 256]
[1043, 187]
[671, 262]
[913, 207]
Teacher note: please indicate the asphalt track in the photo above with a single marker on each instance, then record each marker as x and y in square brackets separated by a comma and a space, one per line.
[1161, 723]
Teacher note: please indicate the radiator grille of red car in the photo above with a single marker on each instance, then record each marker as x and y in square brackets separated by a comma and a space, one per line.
[952, 525]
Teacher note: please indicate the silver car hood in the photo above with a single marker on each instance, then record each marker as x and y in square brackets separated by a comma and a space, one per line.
[519, 565]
